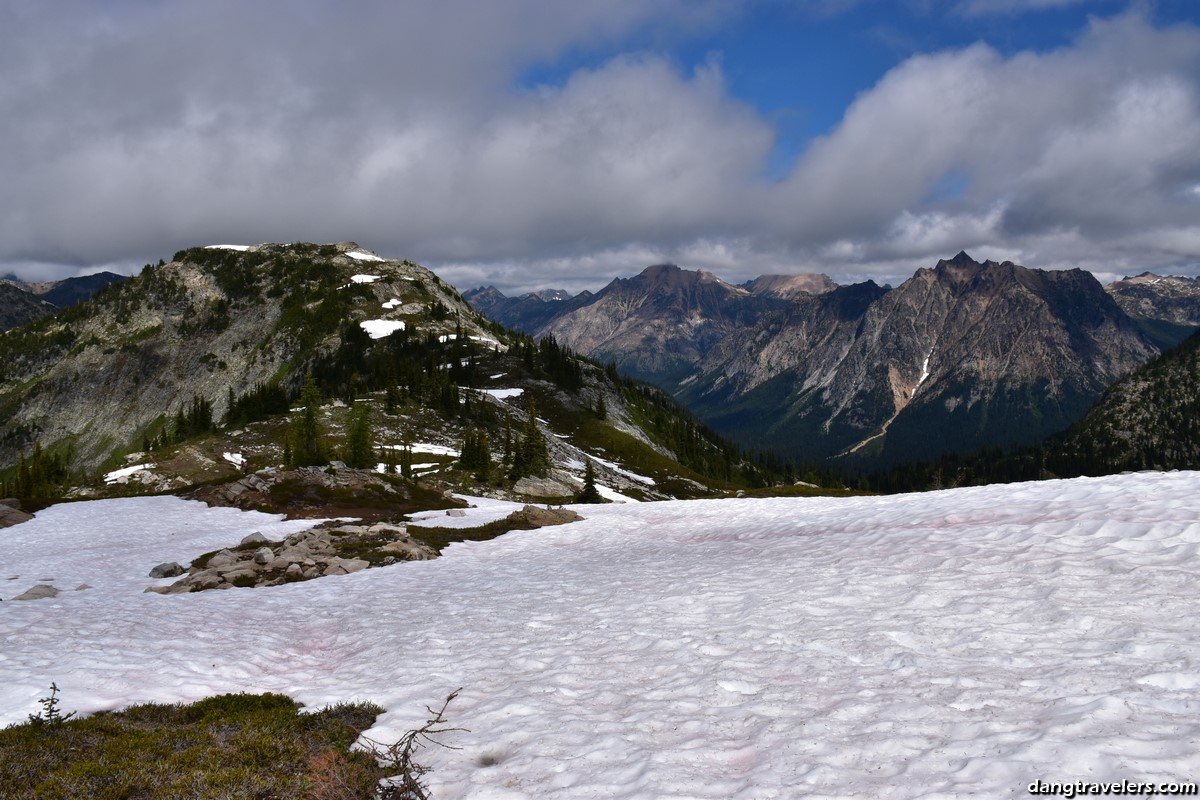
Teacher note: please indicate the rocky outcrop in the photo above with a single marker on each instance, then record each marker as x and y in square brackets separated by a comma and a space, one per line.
[11, 513]
[323, 551]
[537, 517]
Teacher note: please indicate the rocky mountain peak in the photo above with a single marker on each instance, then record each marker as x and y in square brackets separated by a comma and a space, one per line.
[788, 286]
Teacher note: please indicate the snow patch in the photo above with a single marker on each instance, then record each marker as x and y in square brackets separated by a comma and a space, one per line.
[379, 328]
[241, 248]
[365, 278]
[237, 459]
[360, 255]
[117, 474]
[390, 304]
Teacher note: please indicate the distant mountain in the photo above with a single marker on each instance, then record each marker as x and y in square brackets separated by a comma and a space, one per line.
[72, 291]
[19, 306]
[960, 356]
[16, 308]
[659, 324]
[788, 286]
[529, 312]
[1167, 309]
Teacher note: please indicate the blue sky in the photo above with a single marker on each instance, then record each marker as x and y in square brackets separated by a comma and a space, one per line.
[528, 143]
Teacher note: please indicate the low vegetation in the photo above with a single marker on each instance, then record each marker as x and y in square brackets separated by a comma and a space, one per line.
[232, 746]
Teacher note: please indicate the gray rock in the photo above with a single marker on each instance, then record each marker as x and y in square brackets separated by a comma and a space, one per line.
[262, 555]
[39, 592]
[167, 569]
[455, 512]
[254, 538]
[542, 487]
[293, 571]
[224, 558]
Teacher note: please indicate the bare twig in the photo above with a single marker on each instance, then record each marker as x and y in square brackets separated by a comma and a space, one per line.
[406, 784]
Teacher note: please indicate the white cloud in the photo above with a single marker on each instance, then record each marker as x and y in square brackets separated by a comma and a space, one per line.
[135, 129]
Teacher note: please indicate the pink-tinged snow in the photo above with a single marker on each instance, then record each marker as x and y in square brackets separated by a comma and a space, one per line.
[379, 328]
[360, 255]
[124, 472]
[942, 645]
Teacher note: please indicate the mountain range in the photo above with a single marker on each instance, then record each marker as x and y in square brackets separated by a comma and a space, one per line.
[962, 355]
[22, 302]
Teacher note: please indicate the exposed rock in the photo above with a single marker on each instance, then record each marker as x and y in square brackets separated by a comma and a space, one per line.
[223, 559]
[254, 538]
[10, 516]
[39, 592]
[167, 569]
[304, 555]
[455, 512]
[541, 517]
[542, 487]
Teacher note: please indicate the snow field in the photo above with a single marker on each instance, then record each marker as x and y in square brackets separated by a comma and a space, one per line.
[938, 645]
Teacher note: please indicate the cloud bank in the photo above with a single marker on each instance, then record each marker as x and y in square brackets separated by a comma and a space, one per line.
[135, 129]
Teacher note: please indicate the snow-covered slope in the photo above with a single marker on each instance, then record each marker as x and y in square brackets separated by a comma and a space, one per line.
[961, 643]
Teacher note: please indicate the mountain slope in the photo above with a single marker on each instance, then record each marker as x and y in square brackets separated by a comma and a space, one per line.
[960, 356]
[660, 323]
[1149, 419]
[19, 306]
[1167, 309]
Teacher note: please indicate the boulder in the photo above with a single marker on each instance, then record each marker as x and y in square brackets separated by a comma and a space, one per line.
[262, 555]
[223, 558]
[541, 517]
[455, 512]
[542, 487]
[39, 592]
[254, 538]
[167, 569]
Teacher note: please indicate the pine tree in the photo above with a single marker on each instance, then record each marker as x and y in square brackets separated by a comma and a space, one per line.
[306, 435]
[359, 452]
[589, 493]
[531, 456]
[601, 406]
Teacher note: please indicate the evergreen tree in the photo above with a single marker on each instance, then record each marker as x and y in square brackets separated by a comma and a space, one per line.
[601, 406]
[530, 456]
[589, 493]
[359, 453]
[476, 456]
[306, 436]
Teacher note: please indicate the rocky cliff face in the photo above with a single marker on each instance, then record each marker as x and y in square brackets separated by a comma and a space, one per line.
[660, 324]
[960, 356]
